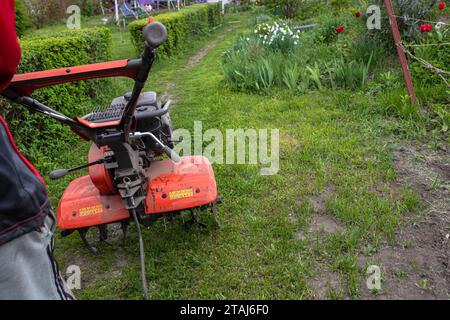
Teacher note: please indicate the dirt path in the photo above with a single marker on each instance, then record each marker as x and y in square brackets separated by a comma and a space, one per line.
[169, 92]
[417, 266]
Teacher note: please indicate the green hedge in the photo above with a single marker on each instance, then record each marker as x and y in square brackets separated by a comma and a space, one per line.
[40, 138]
[182, 26]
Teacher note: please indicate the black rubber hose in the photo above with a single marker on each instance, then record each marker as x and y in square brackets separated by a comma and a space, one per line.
[142, 255]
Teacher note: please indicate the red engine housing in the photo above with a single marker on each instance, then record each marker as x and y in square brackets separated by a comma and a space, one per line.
[91, 200]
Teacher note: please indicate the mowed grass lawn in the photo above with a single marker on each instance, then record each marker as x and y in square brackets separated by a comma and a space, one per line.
[335, 166]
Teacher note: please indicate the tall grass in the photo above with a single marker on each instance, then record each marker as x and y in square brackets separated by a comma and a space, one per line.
[349, 74]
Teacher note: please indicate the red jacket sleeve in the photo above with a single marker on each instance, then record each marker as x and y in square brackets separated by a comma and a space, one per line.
[9, 50]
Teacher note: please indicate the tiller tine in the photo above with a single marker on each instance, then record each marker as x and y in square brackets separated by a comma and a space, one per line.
[83, 232]
[103, 233]
[194, 220]
[216, 219]
[124, 226]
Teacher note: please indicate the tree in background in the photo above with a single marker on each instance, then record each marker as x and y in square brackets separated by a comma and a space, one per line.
[286, 8]
[305, 9]
[22, 19]
[42, 12]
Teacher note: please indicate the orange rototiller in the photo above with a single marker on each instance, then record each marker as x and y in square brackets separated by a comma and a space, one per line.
[127, 179]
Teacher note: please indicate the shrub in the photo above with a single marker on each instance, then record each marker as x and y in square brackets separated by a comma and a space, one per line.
[39, 137]
[304, 9]
[96, 41]
[88, 7]
[411, 12]
[284, 8]
[182, 26]
[241, 7]
[327, 31]
[432, 47]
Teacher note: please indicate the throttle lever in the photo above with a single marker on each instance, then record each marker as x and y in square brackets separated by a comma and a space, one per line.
[59, 173]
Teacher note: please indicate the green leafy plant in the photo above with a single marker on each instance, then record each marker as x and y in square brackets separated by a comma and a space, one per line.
[441, 118]
[362, 48]
[327, 30]
[385, 81]
[291, 76]
[315, 76]
[433, 48]
[265, 74]
[349, 74]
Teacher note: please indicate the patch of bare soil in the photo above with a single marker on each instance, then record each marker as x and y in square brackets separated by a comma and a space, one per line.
[324, 223]
[325, 283]
[318, 202]
[417, 266]
[90, 263]
[293, 218]
[320, 222]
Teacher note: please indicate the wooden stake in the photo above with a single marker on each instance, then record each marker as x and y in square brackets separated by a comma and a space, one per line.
[401, 53]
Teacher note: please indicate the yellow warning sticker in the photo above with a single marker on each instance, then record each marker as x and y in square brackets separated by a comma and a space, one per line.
[178, 194]
[90, 211]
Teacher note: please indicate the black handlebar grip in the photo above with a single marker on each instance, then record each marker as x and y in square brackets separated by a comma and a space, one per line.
[59, 173]
[171, 154]
[155, 34]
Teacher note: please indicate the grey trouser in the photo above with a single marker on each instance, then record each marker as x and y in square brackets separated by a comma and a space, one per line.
[28, 270]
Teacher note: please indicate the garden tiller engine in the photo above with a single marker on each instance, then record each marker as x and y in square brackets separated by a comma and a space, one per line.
[126, 180]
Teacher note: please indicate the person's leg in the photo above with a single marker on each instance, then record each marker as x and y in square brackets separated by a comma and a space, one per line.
[28, 269]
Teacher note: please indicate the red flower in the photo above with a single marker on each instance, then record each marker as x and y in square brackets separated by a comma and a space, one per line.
[340, 29]
[441, 5]
[150, 19]
[424, 27]
[357, 14]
